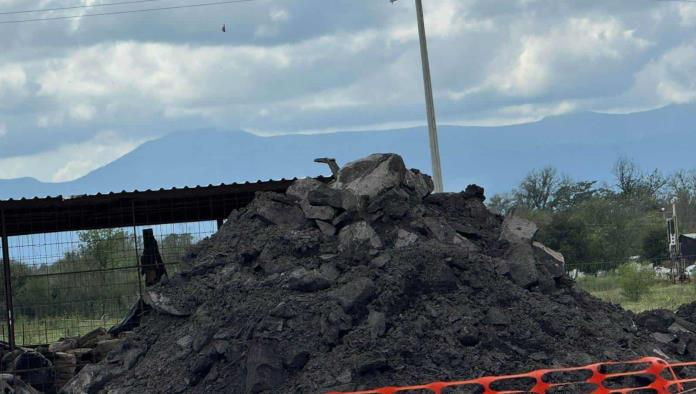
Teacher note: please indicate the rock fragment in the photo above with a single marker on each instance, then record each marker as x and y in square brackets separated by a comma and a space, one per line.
[377, 323]
[357, 234]
[405, 238]
[308, 281]
[355, 294]
[372, 175]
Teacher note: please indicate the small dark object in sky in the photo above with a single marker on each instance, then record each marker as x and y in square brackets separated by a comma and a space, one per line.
[224, 29]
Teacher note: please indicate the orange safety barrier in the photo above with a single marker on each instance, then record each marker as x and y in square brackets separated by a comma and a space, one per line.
[645, 375]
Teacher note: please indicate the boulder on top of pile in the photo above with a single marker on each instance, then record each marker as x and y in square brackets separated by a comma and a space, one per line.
[361, 183]
[376, 188]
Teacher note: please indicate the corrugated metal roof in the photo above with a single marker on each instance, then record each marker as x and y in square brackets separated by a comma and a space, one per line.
[137, 191]
[137, 207]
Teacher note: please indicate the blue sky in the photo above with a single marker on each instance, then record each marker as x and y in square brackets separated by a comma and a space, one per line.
[77, 94]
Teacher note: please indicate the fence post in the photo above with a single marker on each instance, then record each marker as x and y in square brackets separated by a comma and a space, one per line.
[9, 309]
[137, 253]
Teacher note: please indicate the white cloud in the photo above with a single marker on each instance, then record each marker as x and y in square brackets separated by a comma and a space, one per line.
[566, 55]
[69, 161]
[322, 66]
[669, 79]
[13, 80]
[82, 112]
[279, 15]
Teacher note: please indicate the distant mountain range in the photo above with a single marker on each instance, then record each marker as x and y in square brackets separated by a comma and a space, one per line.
[584, 146]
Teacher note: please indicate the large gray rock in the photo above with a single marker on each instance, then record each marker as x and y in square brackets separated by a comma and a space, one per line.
[658, 320]
[325, 196]
[11, 384]
[64, 345]
[444, 233]
[372, 175]
[164, 304]
[522, 265]
[326, 228]
[393, 203]
[301, 188]
[103, 348]
[420, 183]
[34, 369]
[325, 213]
[305, 280]
[358, 233]
[553, 261]
[90, 379]
[517, 229]
[405, 238]
[91, 338]
[275, 209]
[355, 294]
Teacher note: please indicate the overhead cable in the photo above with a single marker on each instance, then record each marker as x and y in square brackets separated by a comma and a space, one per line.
[197, 5]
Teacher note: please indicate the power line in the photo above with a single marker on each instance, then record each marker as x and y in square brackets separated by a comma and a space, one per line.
[125, 12]
[77, 7]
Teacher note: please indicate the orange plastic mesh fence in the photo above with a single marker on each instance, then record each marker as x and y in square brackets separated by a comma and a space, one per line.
[645, 375]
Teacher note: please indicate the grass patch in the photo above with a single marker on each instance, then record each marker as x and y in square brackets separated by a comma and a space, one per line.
[662, 295]
[33, 331]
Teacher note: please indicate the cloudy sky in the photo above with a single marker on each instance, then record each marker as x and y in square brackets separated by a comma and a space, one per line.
[76, 94]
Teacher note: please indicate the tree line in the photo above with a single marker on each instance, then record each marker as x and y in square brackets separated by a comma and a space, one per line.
[600, 226]
[97, 278]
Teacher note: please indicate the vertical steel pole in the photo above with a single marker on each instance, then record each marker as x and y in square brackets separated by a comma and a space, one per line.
[137, 253]
[9, 313]
[429, 102]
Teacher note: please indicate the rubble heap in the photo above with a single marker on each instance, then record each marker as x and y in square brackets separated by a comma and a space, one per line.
[48, 368]
[364, 282]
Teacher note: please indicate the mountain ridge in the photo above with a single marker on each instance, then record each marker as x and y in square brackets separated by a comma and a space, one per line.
[583, 145]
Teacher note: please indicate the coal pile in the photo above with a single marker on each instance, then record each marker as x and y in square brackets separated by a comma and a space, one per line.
[368, 281]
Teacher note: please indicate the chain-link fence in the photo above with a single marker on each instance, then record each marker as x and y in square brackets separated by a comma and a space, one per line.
[68, 283]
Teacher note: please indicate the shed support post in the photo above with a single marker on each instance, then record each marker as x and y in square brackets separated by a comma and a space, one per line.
[9, 309]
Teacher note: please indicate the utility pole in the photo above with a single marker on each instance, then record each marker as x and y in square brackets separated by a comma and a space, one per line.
[674, 247]
[429, 102]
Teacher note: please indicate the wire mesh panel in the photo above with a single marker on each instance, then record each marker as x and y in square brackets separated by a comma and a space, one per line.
[67, 284]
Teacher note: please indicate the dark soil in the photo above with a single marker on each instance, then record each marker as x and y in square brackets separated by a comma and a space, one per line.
[273, 304]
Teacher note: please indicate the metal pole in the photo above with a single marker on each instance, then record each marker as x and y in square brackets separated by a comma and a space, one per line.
[9, 309]
[677, 246]
[137, 253]
[429, 102]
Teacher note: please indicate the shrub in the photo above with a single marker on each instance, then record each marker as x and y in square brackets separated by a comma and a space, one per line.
[635, 280]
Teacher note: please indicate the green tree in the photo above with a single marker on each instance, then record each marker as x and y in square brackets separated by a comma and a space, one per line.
[537, 189]
[570, 236]
[501, 203]
[655, 245]
[635, 280]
